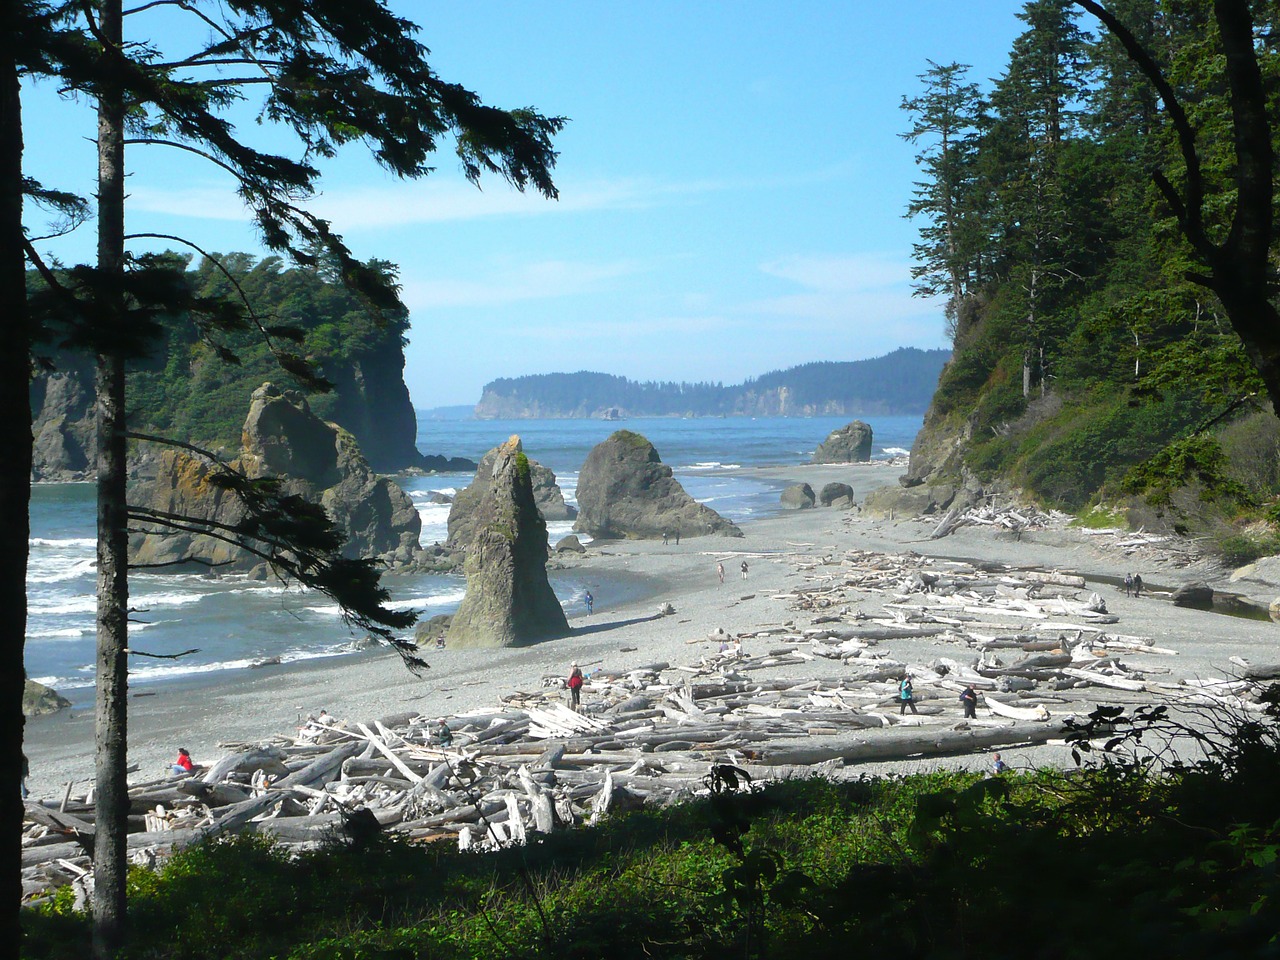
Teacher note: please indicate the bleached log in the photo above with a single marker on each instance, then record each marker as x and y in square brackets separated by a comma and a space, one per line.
[386, 751]
[1038, 713]
[919, 742]
[1105, 680]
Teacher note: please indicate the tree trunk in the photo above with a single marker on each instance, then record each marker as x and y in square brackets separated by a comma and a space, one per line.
[15, 477]
[111, 717]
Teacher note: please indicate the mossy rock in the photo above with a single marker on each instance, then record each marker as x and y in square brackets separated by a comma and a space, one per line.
[39, 700]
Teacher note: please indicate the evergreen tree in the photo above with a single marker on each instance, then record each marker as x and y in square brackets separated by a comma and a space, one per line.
[947, 117]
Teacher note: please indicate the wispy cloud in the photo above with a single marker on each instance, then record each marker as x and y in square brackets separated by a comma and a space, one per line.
[544, 280]
[861, 288]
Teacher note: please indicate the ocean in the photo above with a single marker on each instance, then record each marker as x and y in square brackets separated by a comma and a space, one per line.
[238, 624]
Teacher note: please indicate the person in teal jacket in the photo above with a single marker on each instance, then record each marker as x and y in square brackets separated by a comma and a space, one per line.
[906, 695]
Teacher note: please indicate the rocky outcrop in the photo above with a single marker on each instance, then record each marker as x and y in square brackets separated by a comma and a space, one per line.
[798, 496]
[626, 491]
[570, 544]
[1197, 596]
[508, 600]
[546, 494]
[317, 460]
[836, 495]
[62, 424]
[38, 700]
[849, 444]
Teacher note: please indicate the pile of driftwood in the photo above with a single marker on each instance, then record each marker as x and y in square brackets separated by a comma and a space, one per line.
[1016, 520]
[1035, 644]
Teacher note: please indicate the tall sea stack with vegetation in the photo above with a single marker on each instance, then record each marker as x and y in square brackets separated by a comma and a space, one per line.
[1093, 367]
[186, 389]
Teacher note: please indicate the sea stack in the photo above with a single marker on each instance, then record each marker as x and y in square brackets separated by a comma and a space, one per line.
[626, 491]
[849, 444]
[508, 600]
[314, 459]
[546, 495]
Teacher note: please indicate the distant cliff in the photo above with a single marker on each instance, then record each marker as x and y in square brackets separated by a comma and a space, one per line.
[900, 382]
[185, 391]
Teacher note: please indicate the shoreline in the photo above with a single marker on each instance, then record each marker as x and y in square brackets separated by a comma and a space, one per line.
[210, 716]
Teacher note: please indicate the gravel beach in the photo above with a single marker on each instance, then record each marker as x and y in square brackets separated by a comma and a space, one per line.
[253, 704]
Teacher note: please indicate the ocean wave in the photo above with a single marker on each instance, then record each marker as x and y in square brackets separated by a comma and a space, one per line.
[70, 542]
[148, 601]
[436, 600]
[712, 465]
[896, 451]
[83, 604]
[53, 570]
[63, 634]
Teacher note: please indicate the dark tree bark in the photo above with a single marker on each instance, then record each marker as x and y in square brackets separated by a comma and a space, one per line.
[110, 863]
[15, 477]
[1239, 269]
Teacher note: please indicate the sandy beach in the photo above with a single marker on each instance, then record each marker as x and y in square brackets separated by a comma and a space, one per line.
[254, 704]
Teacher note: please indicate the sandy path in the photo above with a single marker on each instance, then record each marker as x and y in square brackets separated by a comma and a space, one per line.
[254, 704]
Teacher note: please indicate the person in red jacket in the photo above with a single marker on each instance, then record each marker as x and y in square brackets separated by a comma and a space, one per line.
[575, 686]
[183, 765]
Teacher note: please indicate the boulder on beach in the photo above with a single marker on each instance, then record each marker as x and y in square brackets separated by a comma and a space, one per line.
[38, 700]
[570, 544]
[798, 496]
[836, 495]
[546, 495]
[508, 599]
[1197, 596]
[316, 460]
[626, 491]
[850, 444]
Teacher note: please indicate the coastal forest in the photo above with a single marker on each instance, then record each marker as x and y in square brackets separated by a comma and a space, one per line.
[900, 382]
[1082, 243]
[193, 386]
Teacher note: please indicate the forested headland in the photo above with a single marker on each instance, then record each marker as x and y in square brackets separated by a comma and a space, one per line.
[186, 388]
[1083, 255]
[900, 382]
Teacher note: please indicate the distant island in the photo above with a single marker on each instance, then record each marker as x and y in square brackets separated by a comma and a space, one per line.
[899, 383]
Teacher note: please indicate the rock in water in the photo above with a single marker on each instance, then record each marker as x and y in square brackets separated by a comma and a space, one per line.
[546, 494]
[849, 444]
[798, 496]
[508, 599]
[625, 490]
[315, 459]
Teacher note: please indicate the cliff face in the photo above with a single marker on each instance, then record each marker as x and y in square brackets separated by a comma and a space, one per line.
[370, 400]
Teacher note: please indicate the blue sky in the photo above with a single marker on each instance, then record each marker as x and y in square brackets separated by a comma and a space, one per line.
[732, 188]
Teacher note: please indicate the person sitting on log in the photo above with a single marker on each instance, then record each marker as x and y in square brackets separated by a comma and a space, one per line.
[444, 735]
[183, 765]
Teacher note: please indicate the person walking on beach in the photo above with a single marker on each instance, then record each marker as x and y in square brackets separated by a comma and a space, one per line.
[665, 536]
[591, 602]
[575, 687]
[1137, 584]
[720, 571]
[744, 569]
[969, 697]
[26, 772]
[1128, 584]
[906, 695]
[677, 534]
[183, 765]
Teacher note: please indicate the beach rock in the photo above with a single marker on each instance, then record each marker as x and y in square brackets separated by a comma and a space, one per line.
[435, 496]
[666, 610]
[38, 700]
[570, 544]
[546, 495]
[833, 493]
[626, 491]
[849, 444]
[508, 599]
[798, 496]
[1197, 596]
[924, 499]
[316, 460]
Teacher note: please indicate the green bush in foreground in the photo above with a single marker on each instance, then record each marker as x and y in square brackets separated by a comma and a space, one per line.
[1113, 860]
